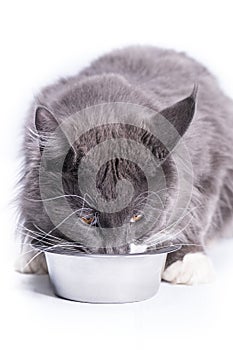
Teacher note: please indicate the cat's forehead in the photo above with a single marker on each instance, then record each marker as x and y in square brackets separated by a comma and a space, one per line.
[118, 131]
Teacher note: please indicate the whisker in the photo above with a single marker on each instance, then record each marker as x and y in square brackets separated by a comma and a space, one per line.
[40, 238]
[57, 197]
[156, 192]
[168, 228]
[74, 212]
[47, 234]
[33, 258]
[169, 236]
[148, 198]
[27, 252]
[38, 234]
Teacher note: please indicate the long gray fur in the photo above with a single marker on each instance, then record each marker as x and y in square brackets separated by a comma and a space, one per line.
[155, 78]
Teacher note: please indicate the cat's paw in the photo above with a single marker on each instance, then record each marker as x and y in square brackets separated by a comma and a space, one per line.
[195, 268]
[30, 263]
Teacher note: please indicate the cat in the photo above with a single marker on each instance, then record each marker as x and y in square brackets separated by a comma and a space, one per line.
[168, 84]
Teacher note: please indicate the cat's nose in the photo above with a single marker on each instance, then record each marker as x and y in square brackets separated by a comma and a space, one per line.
[110, 220]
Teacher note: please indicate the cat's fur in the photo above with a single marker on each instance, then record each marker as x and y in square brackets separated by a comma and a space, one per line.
[158, 79]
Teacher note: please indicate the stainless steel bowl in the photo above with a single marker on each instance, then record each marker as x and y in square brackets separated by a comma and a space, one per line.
[97, 278]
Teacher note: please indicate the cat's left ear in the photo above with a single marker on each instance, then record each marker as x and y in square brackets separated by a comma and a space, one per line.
[180, 116]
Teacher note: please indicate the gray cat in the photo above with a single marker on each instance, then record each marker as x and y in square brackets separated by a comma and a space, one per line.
[158, 82]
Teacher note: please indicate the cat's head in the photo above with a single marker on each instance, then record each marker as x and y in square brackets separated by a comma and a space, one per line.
[119, 196]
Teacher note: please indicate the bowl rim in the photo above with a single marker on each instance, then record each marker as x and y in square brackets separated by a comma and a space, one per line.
[165, 250]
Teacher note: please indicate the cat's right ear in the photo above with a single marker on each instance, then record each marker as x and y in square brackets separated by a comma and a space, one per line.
[45, 121]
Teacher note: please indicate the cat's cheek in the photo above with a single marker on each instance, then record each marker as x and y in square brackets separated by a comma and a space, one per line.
[195, 268]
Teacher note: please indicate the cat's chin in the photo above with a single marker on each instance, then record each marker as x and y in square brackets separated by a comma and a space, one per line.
[137, 248]
[195, 268]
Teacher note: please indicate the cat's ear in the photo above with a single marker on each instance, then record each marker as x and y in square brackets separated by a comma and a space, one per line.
[180, 116]
[45, 122]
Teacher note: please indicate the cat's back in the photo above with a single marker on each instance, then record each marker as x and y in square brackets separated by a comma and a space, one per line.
[164, 75]
[165, 72]
[162, 71]
[141, 63]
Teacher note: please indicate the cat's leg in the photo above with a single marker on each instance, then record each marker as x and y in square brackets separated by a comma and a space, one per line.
[222, 223]
[30, 260]
[189, 265]
[33, 262]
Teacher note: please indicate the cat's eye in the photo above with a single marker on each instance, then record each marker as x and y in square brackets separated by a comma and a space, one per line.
[136, 217]
[91, 220]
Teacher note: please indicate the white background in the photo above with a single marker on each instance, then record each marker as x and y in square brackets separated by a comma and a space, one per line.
[41, 41]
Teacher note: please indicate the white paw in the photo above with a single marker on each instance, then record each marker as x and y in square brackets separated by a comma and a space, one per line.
[195, 268]
[30, 263]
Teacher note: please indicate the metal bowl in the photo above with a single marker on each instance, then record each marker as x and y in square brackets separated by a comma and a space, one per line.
[95, 278]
